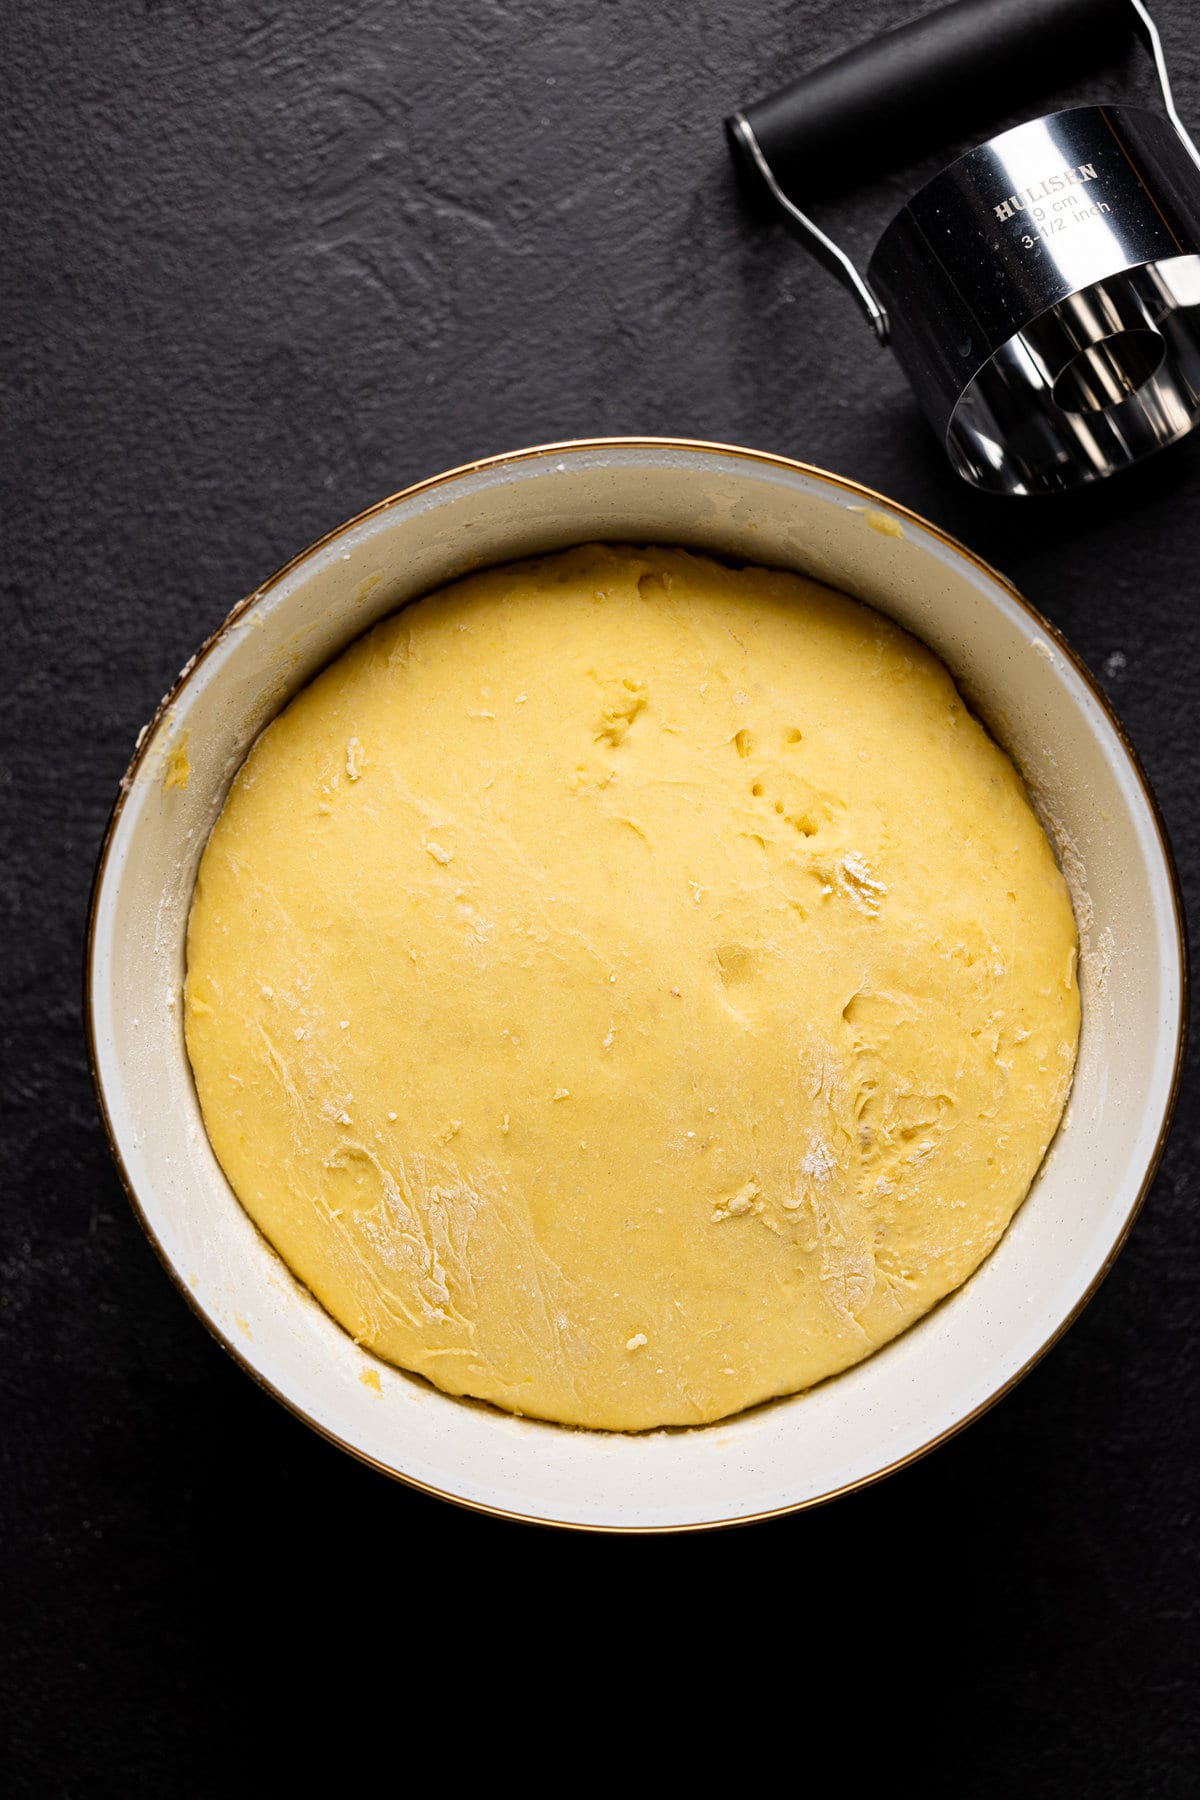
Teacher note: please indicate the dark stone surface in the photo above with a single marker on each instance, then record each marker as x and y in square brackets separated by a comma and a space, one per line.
[263, 264]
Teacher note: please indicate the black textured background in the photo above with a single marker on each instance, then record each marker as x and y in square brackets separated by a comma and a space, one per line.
[262, 264]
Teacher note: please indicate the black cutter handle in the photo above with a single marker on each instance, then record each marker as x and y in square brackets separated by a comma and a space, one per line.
[924, 84]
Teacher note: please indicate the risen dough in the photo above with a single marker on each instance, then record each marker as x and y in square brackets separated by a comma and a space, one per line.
[625, 988]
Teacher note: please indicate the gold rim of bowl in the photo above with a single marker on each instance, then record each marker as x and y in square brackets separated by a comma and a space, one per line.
[573, 447]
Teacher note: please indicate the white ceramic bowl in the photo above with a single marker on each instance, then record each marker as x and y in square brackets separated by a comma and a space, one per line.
[1019, 676]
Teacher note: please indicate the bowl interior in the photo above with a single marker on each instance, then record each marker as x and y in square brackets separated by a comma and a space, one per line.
[1032, 696]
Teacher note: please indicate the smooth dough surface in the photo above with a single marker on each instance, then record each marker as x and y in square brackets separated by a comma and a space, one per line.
[625, 988]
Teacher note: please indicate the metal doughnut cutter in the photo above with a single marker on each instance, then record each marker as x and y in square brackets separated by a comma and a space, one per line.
[1043, 292]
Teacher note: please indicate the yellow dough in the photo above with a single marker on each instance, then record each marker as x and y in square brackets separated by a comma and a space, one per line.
[624, 988]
